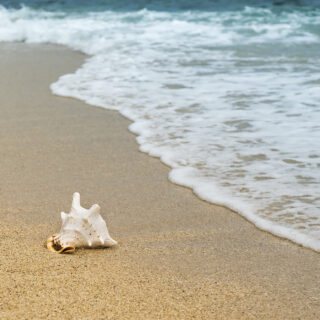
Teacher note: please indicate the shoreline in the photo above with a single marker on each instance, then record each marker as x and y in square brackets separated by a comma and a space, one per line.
[195, 258]
[174, 176]
[199, 188]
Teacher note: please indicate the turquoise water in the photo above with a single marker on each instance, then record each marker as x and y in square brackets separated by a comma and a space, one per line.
[227, 95]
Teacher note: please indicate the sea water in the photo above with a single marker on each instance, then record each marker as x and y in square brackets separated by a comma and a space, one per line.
[227, 93]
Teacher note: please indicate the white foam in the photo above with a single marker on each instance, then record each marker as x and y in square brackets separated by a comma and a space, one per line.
[229, 100]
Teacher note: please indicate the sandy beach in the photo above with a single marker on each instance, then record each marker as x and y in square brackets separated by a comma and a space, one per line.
[178, 257]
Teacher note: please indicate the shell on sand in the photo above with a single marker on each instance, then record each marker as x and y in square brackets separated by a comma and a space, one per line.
[80, 228]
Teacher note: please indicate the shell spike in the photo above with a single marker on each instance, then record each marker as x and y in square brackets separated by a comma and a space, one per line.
[76, 201]
[94, 210]
[64, 216]
[109, 242]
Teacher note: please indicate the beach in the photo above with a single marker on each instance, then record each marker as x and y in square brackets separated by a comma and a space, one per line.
[178, 257]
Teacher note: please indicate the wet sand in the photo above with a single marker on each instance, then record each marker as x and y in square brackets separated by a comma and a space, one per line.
[178, 257]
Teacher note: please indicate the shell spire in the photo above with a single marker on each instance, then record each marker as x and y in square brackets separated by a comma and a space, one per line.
[80, 228]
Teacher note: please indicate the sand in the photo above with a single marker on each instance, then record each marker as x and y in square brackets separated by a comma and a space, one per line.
[178, 257]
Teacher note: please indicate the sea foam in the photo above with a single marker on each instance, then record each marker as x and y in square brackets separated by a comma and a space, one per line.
[228, 98]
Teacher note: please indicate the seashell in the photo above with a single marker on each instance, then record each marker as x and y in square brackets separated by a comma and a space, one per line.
[80, 228]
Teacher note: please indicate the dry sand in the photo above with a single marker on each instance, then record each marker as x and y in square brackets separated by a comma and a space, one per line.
[178, 257]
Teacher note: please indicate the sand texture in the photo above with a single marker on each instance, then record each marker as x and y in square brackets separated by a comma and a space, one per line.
[178, 257]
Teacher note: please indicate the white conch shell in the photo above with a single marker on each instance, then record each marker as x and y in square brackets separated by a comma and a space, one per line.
[80, 228]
